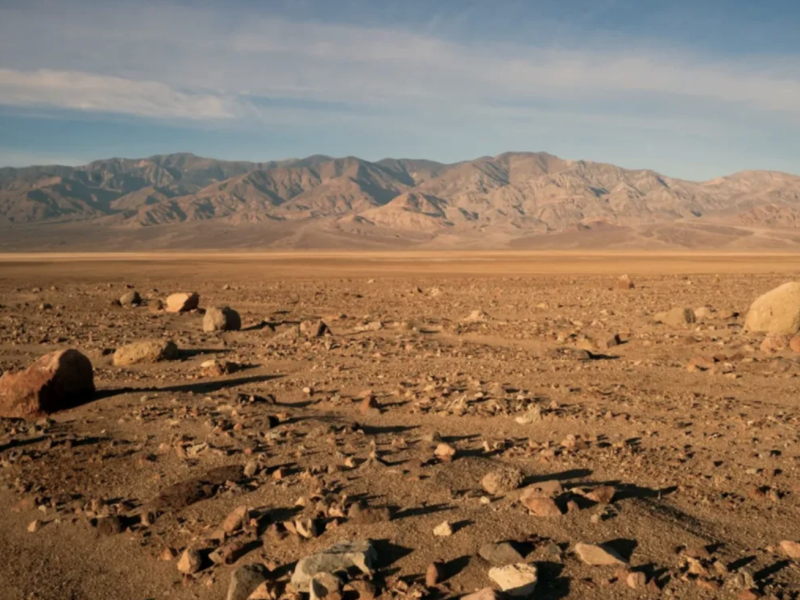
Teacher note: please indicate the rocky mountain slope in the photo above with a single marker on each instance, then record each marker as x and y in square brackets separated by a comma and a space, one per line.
[488, 201]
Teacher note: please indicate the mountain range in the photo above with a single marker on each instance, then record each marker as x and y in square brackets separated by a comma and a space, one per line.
[514, 200]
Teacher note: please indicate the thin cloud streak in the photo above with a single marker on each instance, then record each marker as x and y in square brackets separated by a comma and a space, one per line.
[201, 64]
[88, 92]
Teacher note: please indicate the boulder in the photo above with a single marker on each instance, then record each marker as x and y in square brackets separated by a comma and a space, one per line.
[777, 311]
[131, 298]
[53, 382]
[625, 283]
[147, 351]
[502, 480]
[221, 319]
[359, 554]
[182, 302]
[677, 317]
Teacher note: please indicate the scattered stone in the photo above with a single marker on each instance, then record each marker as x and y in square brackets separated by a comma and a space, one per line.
[544, 489]
[182, 302]
[777, 311]
[144, 352]
[190, 562]
[443, 529]
[221, 319]
[599, 555]
[34, 526]
[445, 452]
[342, 556]
[502, 553]
[109, 526]
[53, 382]
[245, 580]
[434, 573]
[515, 580]
[484, 594]
[314, 329]
[502, 480]
[625, 283]
[130, 299]
[602, 495]
[542, 507]
[235, 519]
[218, 368]
[636, 580]
[677, 317]
[368, 516]
[702, 313]
[791, 549]
[476, 316]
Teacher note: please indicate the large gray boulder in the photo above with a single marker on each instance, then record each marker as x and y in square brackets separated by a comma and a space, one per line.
[777, 311]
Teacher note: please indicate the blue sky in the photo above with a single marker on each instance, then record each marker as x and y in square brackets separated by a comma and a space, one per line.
[693, 89]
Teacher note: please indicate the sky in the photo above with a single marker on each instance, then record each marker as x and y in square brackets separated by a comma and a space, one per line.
[691, 88]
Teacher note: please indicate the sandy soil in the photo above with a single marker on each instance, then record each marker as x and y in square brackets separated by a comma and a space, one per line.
[703, 461]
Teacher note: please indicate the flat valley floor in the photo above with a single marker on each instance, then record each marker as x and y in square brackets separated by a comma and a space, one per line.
[675, 446]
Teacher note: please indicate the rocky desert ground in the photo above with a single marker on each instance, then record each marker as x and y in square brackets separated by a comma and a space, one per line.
[399, 426]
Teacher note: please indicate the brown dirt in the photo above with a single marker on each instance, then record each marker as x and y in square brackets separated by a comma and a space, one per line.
[697, 457]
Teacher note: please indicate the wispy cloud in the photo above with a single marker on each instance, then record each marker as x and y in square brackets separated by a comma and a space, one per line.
[102, 93]
[204, 64]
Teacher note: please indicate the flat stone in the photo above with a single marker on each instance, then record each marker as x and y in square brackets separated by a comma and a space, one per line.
[599, 555]
[501, 553]
[518, 580]
[484, 594]
[360, 555]
[542, 507]
[145, 352]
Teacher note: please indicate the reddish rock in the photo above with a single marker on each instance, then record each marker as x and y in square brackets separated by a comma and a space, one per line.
[794, 344]
[55, 381]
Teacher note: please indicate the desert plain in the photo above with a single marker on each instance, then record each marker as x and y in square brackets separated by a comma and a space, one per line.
[466, 420]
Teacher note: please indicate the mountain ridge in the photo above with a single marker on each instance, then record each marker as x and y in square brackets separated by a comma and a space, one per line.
[514, 195]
